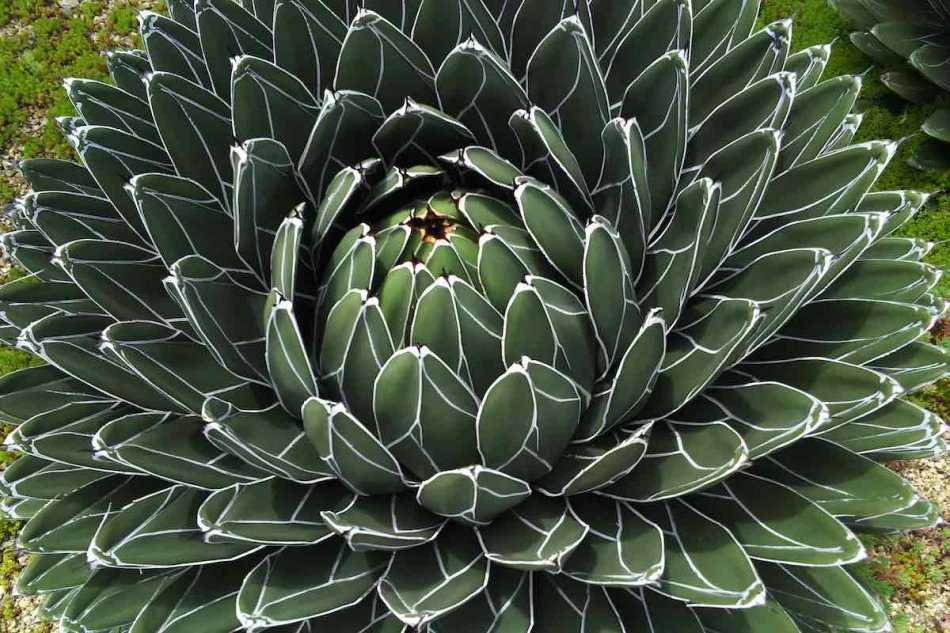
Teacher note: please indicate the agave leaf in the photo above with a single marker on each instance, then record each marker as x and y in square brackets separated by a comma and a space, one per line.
[288, 361]
[170, 362]
[72, 344]
[555, 228]
[917, 514]
[504, 605]
[472, 496]
[901, 248]
[160, 531]
[914, 366]
[350, 450]
[897, 281]
[666, 25]
[560, 602]
[608, 275]
[144, 441]
[384, 522]
[835, 183]
[851, 487]
[780, 284]
[417, 133]
[622, 547]
[257, 86]
[527, 418]
[853, 330]
[754, 58]
[49, 174]
[899, 205]
[704, 564]
[539, 534]
[546, 322]
[849, 391]
[399, 294]
[225, 312]
[644, 609]
[763, 104]
[128, 68]
[380, 60]
[99, 103]
[203, 598]
[487, 164]
[426, 582]
[182, 218]
[32, 391]
[815, 117]
[68, 524]
[342, 136]
[596, 464]
[437, 19]
[227, 30]
[696, 352]
[64, 434]
[622, 195]
[175, 100]
[39, 478]
[768, 617]
[124, 279]
[265, 437]
[808, 65]
[113, 158]
[287, 251]
[743, 168]
[475, 85]
[112, 598]
[270, 511]
[546, 155]
[296, 583]
[356, 345]
[657, 98]
[425, 413]
[564, 79]
[173, 48]
[675, 252]
[898, 431]
[680, 459]
[458, 324]
[824, 594]
[307, 41]
[343, 191]
[265, 193]
[352, 266]
[719, 26]
[54, 604]
[24, 301]
[525, 23]
[53, 572]
[370, 614]
[773, 523]
[766, 415]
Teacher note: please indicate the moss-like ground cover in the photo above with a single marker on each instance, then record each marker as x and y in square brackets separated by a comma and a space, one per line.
[40, 45]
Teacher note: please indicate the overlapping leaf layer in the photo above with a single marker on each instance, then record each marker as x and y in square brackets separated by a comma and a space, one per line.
[916, 33]
[464, 315]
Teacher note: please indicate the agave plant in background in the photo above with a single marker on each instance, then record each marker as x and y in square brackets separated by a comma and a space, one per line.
[464, 315]
[913, 38]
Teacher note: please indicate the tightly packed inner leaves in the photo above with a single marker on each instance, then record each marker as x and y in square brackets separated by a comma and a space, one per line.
[464, 315]
[912, 39]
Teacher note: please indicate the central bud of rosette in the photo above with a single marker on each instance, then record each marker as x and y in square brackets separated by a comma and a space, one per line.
[460, 367]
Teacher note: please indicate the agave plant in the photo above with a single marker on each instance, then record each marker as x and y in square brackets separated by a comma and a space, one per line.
[464, 315]
[912, 37]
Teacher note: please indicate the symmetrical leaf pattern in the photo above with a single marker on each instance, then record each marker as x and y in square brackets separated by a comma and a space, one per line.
[468, 316]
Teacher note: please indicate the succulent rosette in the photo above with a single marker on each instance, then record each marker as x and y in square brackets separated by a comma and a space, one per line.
[464, 315]
[912, 39]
